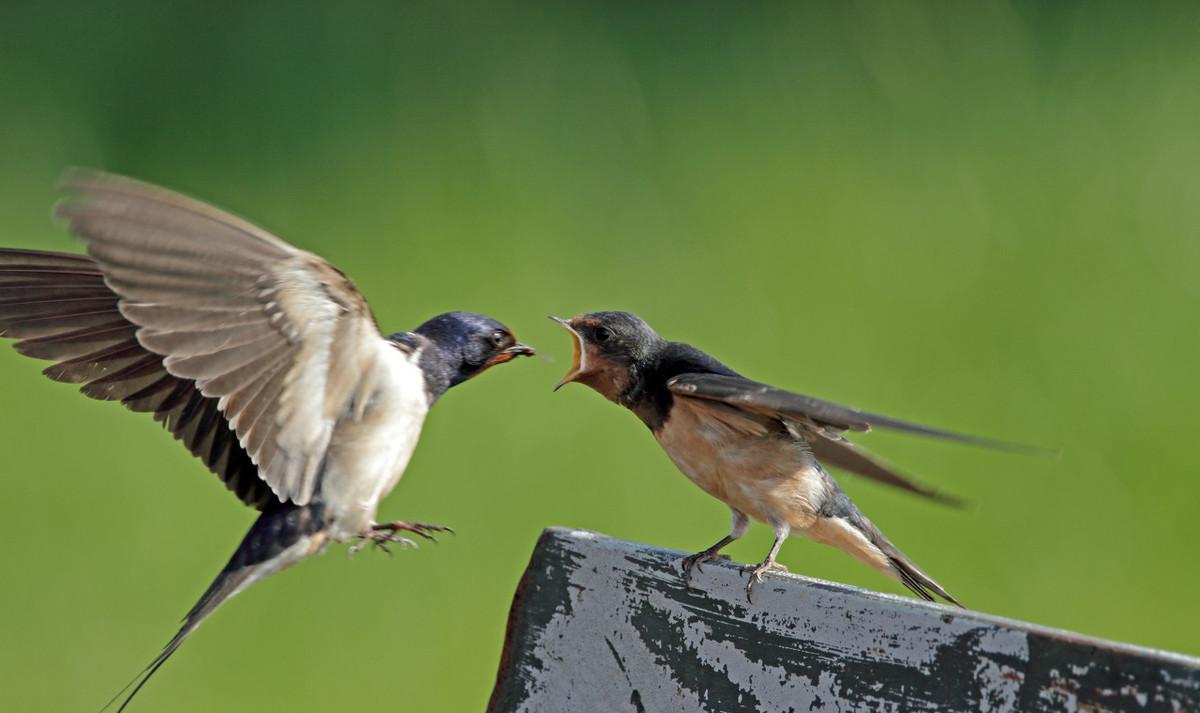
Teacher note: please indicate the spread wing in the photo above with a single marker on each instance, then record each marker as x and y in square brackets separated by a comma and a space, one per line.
[277, 338]
[60, 308]
[821, 423]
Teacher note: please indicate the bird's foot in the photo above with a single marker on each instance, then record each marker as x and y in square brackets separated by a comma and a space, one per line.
[385, 534]
[420, 529]
[381, 540]
[693, 562]
[756, 572]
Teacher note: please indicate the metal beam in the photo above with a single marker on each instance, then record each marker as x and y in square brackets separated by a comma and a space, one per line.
[603, 625]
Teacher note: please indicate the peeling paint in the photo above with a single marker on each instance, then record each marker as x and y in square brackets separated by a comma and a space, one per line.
[604, 625]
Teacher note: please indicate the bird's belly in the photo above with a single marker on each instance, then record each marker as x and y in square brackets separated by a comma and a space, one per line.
[770, 478]
[368, 456]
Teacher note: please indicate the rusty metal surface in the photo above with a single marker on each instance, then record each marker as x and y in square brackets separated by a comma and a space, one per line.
[603, 625]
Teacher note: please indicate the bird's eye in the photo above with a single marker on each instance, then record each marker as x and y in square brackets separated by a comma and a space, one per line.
[601, 334]
[498, 338]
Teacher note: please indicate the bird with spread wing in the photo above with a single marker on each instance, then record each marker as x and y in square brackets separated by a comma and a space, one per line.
[263, 359]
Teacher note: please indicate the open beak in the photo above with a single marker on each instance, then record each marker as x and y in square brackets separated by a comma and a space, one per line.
[578, 359]
[511, 353]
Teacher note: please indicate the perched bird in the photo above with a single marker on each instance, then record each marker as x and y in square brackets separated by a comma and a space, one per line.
[263, 359]
[754, 447]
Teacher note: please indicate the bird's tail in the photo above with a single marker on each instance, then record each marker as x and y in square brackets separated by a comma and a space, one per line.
[904, 570]
[282, 536]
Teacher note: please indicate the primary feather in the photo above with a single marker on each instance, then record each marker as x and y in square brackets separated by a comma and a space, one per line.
[253, 322]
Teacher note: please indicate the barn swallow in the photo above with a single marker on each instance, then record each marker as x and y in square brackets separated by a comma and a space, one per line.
[263, 359]
[756, 448]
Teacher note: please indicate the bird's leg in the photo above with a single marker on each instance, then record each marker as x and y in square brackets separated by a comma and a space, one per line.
[738, 528]
[693, 562]
[383, 534]
[756, 571]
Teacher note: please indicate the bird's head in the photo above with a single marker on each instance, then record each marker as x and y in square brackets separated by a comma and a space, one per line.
[466, 344]
[611, 350]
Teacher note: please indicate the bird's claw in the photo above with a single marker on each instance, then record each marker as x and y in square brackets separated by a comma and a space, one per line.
[381, 539]
[694, 562]
[756, 572]
[383, 534]
[420, 529]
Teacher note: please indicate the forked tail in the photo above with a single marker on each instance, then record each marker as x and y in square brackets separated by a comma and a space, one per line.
[282, 536]
[905, 570]
[844, 526]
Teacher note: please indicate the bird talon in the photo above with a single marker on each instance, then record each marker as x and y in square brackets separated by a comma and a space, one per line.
[756, 572]
[382, 535]
[695, 562]
[420, 529]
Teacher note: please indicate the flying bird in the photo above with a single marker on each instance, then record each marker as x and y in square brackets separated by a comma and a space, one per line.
[754, 447]
[263, 359]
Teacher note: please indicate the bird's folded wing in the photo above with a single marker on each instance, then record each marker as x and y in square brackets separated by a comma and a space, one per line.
[754, 396]
[821, 423]
[278, 336]
[825, 443]
[840, 453]
[60, 308]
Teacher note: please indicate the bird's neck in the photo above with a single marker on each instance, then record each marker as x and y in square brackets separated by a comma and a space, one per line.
[647, 395]
[441, 368]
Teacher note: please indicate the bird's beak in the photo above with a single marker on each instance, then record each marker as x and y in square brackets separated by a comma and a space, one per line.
[511, 353]
[578, 359]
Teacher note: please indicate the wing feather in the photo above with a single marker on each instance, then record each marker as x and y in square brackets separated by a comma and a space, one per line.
[754, 396]
[22, 311]
[259, 430]
[238, 381]
[820, 424]
[199, 342]
[94, 345]
[153, 397]
[168, 206]
[97, 364]
[78, 342]
[206, 364]
[245, 347]
[274, 334]
[843, 454]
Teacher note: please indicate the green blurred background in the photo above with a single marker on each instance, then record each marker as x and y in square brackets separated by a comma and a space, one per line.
[983, 216]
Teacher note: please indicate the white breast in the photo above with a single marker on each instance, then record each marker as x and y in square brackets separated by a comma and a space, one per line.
[368, 454]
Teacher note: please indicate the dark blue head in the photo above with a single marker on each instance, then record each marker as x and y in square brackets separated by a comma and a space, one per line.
[462, 345]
